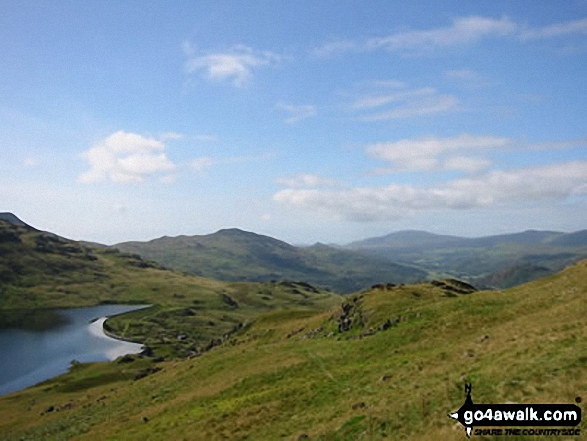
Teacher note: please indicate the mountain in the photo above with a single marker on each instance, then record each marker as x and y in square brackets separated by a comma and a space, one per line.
[406, 239]
[389, 363]
[493, 261]
[233, 254]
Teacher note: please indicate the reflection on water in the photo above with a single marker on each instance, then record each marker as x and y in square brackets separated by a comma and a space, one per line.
[36, 353]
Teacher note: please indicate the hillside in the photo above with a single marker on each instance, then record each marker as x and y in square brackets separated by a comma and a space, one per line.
[234, 254]
[483, 260]
[41, 270]
[390, 363]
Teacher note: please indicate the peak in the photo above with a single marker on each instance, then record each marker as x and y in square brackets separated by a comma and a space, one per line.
[12, 219]
[232, 232]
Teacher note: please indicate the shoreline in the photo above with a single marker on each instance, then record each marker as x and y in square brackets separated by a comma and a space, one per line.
[114, 336]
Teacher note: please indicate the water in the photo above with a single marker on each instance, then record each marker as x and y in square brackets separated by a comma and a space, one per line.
[28, 357]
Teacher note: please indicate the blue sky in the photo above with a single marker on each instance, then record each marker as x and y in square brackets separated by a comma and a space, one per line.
[309, 121]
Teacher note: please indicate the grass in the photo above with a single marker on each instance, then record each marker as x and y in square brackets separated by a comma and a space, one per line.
[292, 373]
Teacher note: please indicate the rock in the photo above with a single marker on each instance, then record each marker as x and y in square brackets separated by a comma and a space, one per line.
[385, 326]
[229, 301]
[147, 352]
[126, 359]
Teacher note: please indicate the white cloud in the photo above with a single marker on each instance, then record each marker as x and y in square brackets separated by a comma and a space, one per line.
[413, 105]
[505, 188]
[235, 65]
[297, 113]
[436, 153]
[125, 157]
[556, 30]
[307, 180]
[462, 31]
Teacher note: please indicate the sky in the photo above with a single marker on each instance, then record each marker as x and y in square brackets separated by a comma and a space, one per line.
[327, 121]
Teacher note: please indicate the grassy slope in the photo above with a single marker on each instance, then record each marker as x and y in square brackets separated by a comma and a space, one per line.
[293, 373]
[239, 255]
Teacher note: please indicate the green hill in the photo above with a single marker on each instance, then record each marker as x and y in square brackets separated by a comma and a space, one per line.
[389, 363]
[234, 254]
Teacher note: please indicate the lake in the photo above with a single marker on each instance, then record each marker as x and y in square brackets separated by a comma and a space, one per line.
[29, 356]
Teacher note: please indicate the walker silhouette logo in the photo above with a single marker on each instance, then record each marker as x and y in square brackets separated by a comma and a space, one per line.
[472, 415]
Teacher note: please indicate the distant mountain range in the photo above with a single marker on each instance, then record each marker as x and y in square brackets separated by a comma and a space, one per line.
[406, 256]
[498, 261]
[233, 254]
[415, 238]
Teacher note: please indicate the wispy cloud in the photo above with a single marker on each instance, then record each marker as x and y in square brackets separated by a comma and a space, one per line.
[467, 77]
[461, 32]
[554, 182]
[126, 157]
[308, 181]
[203, 163]
[235, 65]
[297, 113]
[406, 104]
[30, 161]
[556, 30]
[380, 100]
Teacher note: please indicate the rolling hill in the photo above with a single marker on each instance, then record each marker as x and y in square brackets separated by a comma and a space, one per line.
[389, 363]
[233, 254]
